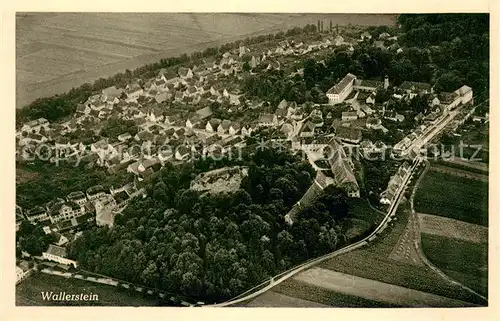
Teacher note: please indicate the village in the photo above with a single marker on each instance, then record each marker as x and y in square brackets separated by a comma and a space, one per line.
[174, 122]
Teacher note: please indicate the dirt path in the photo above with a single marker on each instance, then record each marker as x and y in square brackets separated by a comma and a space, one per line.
[448, 227]
[405, 250]
[374, 290]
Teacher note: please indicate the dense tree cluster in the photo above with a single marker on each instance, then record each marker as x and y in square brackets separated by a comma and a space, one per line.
[49, 181]
[213, 247]
[32, 239]
[458, 47]
[113, 127]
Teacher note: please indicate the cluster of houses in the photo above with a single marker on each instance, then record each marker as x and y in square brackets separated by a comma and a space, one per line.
[388, 196]
[361, 94]
[338, 171]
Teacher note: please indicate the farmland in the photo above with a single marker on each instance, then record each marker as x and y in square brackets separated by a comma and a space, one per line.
[447, 227]
[58, 51]
[464, 261]
[28, 292]
[453, 196]
[363, 277]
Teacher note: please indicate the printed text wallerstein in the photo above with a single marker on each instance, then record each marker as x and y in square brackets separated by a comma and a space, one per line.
[63, 296]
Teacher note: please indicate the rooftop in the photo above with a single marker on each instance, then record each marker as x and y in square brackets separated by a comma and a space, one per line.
[339, 87]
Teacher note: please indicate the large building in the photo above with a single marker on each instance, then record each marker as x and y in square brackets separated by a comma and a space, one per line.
[342, 169]
[340, 91]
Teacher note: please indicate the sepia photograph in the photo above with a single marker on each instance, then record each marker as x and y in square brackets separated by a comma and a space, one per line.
[256, 160]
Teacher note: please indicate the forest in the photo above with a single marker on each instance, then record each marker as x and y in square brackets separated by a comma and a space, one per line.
[213, 247]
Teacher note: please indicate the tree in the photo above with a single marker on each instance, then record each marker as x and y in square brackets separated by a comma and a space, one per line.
[246, 66]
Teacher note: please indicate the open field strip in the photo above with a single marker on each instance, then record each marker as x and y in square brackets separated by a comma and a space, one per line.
[453, 196]
[460, 173]
[321, 295]
[464, 261]
[375, 290]
[448, 227]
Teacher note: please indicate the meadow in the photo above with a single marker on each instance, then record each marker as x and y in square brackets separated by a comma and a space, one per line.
[58, 51]
[464, 261]
[453, 196]
[28, 292]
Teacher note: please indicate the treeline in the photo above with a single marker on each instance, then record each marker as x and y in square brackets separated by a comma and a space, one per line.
[214, 247]
[62, 105]
[433, 52]
[48, 181]
[458, 46]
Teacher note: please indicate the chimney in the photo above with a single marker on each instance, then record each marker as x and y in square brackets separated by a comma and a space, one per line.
[386, 82]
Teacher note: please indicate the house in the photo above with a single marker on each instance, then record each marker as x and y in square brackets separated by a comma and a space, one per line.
[133, 92]
[204, 112]
[419, 117]
[413, 88]
[246, 131]
[104, 208]
[384, 35]
[37, 214]
[267, 120]
[66, 211]
[212, 125]
[182, 152]
[366, 35]
[367, 85]
[58, 254]
[367, 110]
[307, 129]
[234, 128]
[349, 134]
[342, 169]
[224, 126]
[144, 165]
[111, 94]
[341, 90]
[371, 99]
[83, 109]
[185, 73]
[160, 98]
[349, 115]
[36, 125]
[124, 137]
[77, 197]
[95, 192]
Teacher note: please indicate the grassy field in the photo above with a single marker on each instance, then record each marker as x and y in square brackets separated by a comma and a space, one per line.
[450, 228]
[452, 196]
[362, 218]
[308, 292]
[58, 51]
[464, 261]
[28, 293]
